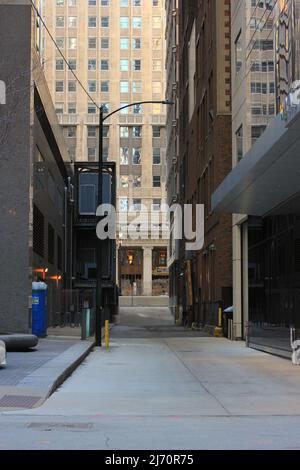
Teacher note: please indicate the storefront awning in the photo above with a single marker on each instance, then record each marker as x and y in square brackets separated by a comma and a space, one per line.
[268, 175]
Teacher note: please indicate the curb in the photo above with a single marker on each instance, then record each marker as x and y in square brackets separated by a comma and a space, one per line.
[69, 371]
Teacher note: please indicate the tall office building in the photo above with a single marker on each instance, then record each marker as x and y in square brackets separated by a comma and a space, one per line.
[264, 183]
[117, 50]
[200, 152]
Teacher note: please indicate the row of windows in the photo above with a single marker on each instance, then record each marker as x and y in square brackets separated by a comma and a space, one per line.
[104, 43]
[125, 206]
[136, 205]
[264, 66]
[136, 65]
[136, 155]
[104, 3]
[136, 109]
[125, 131]
[125, 86]
[263, 110]
[265, 4]
[104, 22]
[262, 87]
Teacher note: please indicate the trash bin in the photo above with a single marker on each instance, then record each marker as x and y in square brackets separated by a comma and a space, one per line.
[39, 309]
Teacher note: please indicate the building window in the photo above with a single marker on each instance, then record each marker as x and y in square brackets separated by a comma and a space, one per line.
[105, 86]
[92, 21]
[104, 43]
[137, 131]
[72, 131]
[92, 3]
[156, 87]
[105, 154]
[124, 110]
[60, 21]
[124, 43]
[137, 205]
[156, 65]
[124, 132]
[59, 108]
[60, 43]
[72, 86]
[156, 156]
[124, 182]
[60, 65]
[92, 64]
[156, 182]
[91, 108]
[60, 3]
[124, 65]
[72, 64]
[256, 132]
[72, 3]
[136, 87]
[105, 107]
[124, 86]
[92, 43]
[59, 86]
[136, 3]
[72, 108]
[156, 131]
[137, 109]
[123, 204]
[124, 22]
[104, 21]
[156, 22]
[105, 131]
[136, 22]
[136, 43]
[124, 3]
[92, 86]
[136, 65]
[104, 64]
[136, 156]
[239, 143]
[137, 182]
[156, 205]
[72, 21]
[104, 3]
[72, 43]
[92, 131]
[238, 52]
[91, 154]
[88, 186]
[124, 155]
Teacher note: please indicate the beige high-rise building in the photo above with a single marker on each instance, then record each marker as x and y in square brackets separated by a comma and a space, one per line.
[117, 50]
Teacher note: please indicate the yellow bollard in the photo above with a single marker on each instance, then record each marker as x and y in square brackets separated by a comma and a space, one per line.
[107, 334]
[220, 317]
[218, 333]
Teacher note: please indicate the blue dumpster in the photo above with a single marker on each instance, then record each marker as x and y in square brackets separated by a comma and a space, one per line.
[39, 309]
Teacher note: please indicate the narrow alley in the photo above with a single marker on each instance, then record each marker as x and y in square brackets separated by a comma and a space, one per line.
[164, 387]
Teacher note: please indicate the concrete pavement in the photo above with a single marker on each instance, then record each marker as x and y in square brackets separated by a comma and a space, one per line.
[162, 387]
[31, 376]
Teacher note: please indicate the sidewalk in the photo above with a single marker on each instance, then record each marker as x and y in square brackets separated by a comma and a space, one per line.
[31, 377]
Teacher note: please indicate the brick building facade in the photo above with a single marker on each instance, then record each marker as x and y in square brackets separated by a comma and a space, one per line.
[205, 156]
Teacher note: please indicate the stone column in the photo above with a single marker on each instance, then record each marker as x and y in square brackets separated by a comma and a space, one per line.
[147, 271]
[237, 283]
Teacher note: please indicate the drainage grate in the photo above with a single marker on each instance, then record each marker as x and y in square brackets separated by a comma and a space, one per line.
[16, 401]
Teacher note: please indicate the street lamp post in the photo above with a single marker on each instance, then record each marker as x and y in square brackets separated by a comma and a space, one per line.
[99, 296]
